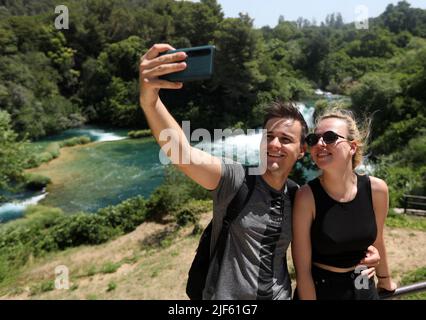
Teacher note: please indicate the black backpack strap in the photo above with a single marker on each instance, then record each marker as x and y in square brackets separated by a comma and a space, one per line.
[234, 208]
[292, 188]
[241, 198]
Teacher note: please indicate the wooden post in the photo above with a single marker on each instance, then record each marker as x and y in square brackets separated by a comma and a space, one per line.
[405, 203]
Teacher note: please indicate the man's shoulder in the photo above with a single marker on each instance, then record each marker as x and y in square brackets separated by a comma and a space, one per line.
[232, 178]
[292, 184]
[292, 188]
[234, 171]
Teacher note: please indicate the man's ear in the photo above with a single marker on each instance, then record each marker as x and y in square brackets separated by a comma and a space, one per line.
[303, 149]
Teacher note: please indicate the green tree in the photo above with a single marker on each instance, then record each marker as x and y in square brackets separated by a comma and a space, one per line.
[238, 67]
[315, 46]
[375, 43]
[8, 43]
[12, 154]
[121, 58]
[374, 95]
[397, 135]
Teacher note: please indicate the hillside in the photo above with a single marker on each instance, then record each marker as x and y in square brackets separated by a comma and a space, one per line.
[149, 264]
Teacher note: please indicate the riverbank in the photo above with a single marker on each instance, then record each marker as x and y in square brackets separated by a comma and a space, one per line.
[49, 169]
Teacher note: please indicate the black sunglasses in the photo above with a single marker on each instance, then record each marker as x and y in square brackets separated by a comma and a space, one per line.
[328, 137]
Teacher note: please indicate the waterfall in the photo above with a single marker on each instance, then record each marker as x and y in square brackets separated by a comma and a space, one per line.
[12, 210]
[308, 113]
[244, 148]
[102, 136]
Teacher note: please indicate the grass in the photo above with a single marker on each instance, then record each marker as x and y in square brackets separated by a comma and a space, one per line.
[110, 267]
[91, 271]
[111, 286]
[131, 260]
[415, 276]
[396, 220]
[41, 287]
[161, 240]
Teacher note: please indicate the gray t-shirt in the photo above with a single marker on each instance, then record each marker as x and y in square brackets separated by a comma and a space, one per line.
[254, 264]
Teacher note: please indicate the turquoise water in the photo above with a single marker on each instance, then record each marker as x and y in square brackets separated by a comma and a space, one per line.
[93, 176]
[93, 132]
[104, 174]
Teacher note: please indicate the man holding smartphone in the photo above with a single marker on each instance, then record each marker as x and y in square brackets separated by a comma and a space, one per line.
[254, 261]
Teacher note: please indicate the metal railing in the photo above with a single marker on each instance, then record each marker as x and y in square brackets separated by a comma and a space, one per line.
[401, 291]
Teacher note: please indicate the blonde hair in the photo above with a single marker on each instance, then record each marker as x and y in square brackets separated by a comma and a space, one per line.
[357, 133]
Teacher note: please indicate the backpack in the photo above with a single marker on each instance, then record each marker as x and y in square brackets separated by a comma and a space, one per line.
[197, 274]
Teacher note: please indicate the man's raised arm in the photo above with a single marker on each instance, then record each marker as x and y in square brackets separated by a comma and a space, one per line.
[198, 165]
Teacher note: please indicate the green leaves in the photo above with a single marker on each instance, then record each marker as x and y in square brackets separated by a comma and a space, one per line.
[12, 154]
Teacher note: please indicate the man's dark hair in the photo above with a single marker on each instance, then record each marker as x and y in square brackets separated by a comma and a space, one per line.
[288, 110]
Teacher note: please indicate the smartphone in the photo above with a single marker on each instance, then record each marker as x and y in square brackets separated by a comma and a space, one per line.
[199, 64]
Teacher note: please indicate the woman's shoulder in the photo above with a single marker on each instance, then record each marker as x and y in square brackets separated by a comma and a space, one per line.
[378, 185]
[305, 203]
[304, 191]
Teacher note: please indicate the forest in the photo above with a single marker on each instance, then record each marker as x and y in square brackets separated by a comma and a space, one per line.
[52, 80]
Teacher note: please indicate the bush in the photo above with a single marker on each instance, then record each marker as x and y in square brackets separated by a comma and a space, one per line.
[397, 135]
[79, 229]
[190, 212]
[125, 216]
[33, 161]
[44, 157]
[400, 179]
[414, 154]
[54, 149]
[23, 237]
[36, 181]
[75, 141]
[173, 194]
[136, 134]
[165, 200]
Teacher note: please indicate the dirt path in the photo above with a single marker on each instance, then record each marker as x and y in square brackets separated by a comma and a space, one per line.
[162, 273]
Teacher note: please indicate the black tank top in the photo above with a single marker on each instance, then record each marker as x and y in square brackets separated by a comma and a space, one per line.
[342, 231]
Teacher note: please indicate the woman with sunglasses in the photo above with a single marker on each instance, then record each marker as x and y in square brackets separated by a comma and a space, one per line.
[338, 215]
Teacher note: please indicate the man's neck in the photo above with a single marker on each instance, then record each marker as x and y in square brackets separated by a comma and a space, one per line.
[275, 180]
